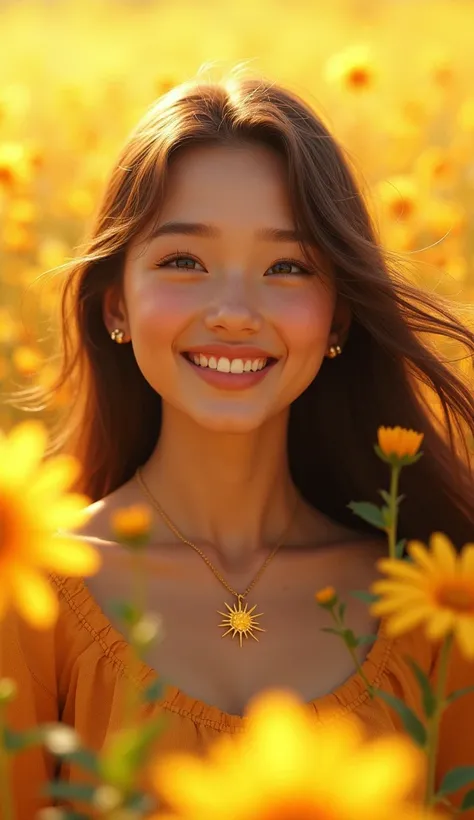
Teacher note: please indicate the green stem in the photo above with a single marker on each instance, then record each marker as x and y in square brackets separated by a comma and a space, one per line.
[6, 801]
[435, 720]
[132, 693]
[353, 655]
[393, 507]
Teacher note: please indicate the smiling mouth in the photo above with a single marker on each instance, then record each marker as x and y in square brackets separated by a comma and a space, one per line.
[234, 367]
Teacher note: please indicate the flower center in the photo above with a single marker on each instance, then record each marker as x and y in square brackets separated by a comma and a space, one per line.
[298, 809]
[459, 598]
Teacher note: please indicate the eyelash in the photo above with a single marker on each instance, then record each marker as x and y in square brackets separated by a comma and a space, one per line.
[187, 255]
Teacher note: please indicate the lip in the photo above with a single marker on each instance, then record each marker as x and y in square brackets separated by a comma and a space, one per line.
[229, 381]
[232, 351]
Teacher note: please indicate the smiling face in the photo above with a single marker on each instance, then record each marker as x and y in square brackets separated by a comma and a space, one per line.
[233, 288]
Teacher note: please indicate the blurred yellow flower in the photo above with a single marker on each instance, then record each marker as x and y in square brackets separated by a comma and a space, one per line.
[22, 211]
[14, 166]
[17, 238]
[34, 504]
[133, 522]
[399, 196]
[353, 68]
[9, 327]
[436, 589]
[399, 441]
[52, 252]
[465, 118]
[444, 218]
[26, 360]
[283, 767]
[435, 165]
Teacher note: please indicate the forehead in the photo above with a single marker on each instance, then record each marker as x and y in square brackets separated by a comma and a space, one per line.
[226, 179]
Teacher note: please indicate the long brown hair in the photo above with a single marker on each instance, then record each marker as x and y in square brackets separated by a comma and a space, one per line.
[114, 417]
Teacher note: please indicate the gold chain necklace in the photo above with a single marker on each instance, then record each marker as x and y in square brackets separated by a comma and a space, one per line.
[239, 621]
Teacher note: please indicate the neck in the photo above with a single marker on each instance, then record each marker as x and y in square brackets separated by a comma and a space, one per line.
[231, 494]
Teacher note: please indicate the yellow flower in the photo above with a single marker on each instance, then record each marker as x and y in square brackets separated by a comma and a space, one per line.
[399, 196]
[26, 359]
[353, 68]
[324, 596]
[399, 441]
[437, 588]
[284, 766]
[33, 506]
[132, 523]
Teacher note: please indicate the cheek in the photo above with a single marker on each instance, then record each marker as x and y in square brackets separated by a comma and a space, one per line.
[306, 322]
[158, 315]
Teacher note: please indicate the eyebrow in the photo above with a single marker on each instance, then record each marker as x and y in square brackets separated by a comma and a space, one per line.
[212, 232]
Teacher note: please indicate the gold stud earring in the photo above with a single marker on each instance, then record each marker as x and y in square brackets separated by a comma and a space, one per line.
[334, 351]
[117, 336]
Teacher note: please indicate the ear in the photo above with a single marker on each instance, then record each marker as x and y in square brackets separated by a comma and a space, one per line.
[114, 310]
[341, 322]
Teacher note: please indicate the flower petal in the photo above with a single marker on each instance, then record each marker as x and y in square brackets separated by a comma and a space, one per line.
[444, 552]
[418, 551]
[21, 452]
[467, 560]
[33, 597]
[464, 631]
[405, 620]
[401, 569]
[440, 623]
[68, 556]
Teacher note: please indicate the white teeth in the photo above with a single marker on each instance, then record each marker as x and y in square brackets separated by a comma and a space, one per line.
[237, 366]
[225, 365]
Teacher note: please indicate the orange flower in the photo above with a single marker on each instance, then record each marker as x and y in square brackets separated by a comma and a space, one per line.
[132, 523]
[325, 596]
[398, 441]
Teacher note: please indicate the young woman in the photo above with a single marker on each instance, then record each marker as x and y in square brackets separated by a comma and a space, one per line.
[235, 336]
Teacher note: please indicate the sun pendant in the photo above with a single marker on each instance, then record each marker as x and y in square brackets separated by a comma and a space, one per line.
[241, 621]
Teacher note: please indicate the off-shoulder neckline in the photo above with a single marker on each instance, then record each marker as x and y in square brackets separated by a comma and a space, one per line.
[347, 697]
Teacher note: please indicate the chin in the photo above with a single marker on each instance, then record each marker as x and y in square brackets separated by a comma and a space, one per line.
[222, 422]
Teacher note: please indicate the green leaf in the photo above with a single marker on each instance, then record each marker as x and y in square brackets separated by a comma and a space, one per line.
[126, 611]
[399, 547]
[386, 496]
[456, 779]
[84, 758]
[331, 630]
[459, 693]
[468, 801]
[411, 722]
[365, 596]
[341, 611]
[429, 697]
[365, 639]
[18, 741]
[369, 512]
[154, 691]
[76, 791]
[128, 751]
[349, 638]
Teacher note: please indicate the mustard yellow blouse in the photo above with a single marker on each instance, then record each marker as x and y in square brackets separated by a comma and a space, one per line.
[75, 673]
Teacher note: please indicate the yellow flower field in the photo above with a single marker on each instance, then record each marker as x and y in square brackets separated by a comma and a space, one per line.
[391, 78]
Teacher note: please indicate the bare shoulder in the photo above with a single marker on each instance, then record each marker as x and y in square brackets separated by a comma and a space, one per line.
[97, 525]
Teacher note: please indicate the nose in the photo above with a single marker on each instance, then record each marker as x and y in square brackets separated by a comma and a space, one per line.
[234, 307]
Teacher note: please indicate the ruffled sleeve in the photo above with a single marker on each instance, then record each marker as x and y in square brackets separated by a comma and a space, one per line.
[456, 747]
[29, 658]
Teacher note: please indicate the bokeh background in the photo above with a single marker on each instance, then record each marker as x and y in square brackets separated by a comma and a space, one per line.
[393, 79]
